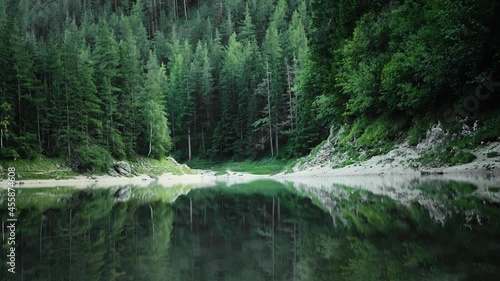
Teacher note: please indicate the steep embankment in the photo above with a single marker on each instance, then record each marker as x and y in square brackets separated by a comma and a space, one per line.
[440, 151]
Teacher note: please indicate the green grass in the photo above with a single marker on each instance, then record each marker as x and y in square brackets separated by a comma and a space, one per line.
[446, 156]
[462, 157]
[492, 154]
[494, 189]
[57, 168]
[267, 166]
[38, 168]
[157, 167]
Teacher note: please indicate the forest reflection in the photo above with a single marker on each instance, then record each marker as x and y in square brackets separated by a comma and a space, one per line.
[262, 230]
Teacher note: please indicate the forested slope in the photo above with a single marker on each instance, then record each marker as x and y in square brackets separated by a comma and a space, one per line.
[235, 79]
[203, 78]
[385, 72]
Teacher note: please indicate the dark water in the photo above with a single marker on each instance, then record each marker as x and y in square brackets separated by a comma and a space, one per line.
[262, 230]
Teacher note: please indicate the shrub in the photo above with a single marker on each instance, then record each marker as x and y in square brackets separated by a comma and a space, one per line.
[93, 159]
[492, 154]
[462, 157]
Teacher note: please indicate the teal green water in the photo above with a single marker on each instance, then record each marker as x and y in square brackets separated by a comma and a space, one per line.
[262, 230]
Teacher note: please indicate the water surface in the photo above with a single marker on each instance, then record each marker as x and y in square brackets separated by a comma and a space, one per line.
[259, 230]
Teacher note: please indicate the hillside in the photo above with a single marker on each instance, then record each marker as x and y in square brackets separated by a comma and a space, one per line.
[233, 80]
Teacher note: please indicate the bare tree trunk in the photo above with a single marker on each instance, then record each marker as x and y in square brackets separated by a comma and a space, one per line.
[175, 10]
[150, 137]
[38, 124]
[185, 10]
[153, 27]
[202, 140]
[289, 82]
[67, 121]
[276, 141]
[1, 137]
[269, 110]
[173, 128]
[19, 105]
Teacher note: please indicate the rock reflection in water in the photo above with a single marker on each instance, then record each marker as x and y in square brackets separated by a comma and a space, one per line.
[262, 230]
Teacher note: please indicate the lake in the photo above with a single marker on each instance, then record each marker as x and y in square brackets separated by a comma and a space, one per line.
[310, 229]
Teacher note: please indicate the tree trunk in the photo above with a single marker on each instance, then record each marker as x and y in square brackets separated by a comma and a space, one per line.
[173, 129]
[202, 140]
[175, 10]
[19, 105]
[290, 104]
[150, 137]
[269, 110]
[67, 121]
[185, 10]
[38, 125]
[276, 141]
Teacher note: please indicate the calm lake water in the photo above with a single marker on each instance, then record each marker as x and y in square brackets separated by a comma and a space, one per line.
[259, 230]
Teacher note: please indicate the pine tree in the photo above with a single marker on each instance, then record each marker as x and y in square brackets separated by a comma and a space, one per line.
[154, 118]
[106, 62]
[272, 51]
[130, 83]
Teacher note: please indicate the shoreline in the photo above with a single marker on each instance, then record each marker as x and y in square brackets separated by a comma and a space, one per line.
[322, 176]
[398, 163]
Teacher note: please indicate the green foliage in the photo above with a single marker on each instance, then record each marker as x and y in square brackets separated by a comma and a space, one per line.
[94, 159]
[462, 157]
[39, 168]
[145, 77]
[418, 129]
[447, 156]
[266, 166]
[372, 60]
[492, 154]
[380, 132]
[157, 167]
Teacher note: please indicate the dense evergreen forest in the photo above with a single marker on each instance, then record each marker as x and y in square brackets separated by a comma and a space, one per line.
[236, 79]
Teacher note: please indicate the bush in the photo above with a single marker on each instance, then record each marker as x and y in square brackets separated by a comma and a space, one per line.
[492, 154]
[462, 157]
[8, 154]
[94, 159]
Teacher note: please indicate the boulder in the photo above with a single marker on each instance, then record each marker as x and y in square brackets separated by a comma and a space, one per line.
[123, 168]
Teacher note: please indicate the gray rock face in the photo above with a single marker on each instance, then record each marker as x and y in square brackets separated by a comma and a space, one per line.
[435, 137]
[123, 168]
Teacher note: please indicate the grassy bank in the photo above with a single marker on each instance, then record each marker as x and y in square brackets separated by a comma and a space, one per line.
[267, 166]
[43, 167]
[39, 168]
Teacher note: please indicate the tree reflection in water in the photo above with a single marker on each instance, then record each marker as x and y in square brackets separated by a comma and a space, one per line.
[262, 230]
